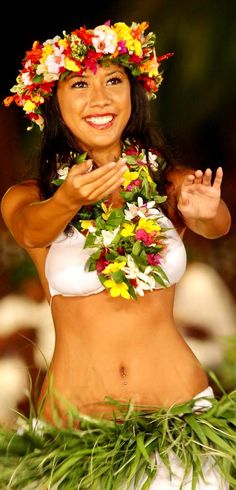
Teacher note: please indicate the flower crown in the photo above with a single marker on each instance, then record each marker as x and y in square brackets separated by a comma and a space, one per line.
[80, 50]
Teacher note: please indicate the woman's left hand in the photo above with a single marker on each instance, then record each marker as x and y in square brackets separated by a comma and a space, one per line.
[199, 197]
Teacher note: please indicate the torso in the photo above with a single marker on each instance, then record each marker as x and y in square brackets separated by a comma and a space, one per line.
[130, 351]
[127, 350]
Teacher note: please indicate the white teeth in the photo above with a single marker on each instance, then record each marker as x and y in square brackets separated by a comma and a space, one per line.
[100, 120]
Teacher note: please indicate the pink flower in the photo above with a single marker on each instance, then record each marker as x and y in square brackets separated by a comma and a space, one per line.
[153, 259]
[122, 47]
[134, 183]
[144, 237]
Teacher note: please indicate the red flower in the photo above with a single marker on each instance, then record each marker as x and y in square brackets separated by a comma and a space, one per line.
[34, 54]
[148, 83]
[132, 151]
[84, 35]
[153, 259]
[164, 57]
[101, 264]
[121, 250]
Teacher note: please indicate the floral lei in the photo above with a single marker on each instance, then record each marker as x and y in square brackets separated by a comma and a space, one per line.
[128, 241]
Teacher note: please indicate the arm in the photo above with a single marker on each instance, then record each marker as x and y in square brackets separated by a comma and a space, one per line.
[34, 223]
[200, 204]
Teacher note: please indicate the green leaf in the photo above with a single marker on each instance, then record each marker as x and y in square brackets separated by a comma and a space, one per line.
[142, 448]
[136, 248]
[118, 276]
[90, 240]
[116, 218]
[58, 181]
[81, 157]
[197, 428]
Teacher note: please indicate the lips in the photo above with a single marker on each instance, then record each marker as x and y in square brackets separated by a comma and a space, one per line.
[100, 121]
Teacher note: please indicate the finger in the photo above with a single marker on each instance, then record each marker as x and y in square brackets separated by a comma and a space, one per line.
[81, 168]
[112, 183]
[106, 193]
[206, 179]
[188, 180]
[104, 172]
[218, 178]
[198, 177]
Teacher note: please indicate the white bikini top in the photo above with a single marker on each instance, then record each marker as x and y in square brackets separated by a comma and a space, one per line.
[66, 259]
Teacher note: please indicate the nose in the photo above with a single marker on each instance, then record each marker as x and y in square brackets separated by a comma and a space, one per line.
[99, 96]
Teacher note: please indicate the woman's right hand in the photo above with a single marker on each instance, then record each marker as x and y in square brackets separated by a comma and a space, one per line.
[83, 186]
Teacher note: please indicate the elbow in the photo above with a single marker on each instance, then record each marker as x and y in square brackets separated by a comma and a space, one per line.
[29, 241]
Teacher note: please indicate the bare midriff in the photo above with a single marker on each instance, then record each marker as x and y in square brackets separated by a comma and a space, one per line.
[128, 350]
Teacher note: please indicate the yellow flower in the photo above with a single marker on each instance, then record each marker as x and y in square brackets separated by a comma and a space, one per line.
[29, 106]
[125, 33]
[145, 169]
[117, 289]
[86, 223]
[150, 67]
[71, 65]
[63, 42]
[122, 30]
[46, 51]
[129, 177]
[107, 211]
[37, 98]
[128, 229]
[148, 225]
[137, 47]
[115, 267]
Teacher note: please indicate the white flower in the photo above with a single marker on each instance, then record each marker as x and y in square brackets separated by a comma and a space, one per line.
[152, 157]
[54, 62]
[105, 39]
[143, 210]
[52, 41]
[153, 160]
[26, 78]
[141, 287]
[91, 229]
[108, 236]
[62, 173]
[144, 280]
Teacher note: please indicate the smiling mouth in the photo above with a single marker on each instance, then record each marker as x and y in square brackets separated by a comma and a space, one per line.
[100, 121]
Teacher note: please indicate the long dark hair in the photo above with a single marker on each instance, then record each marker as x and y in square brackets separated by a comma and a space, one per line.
[58, 142]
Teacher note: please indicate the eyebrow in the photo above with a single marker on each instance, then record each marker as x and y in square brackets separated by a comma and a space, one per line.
[82, 75]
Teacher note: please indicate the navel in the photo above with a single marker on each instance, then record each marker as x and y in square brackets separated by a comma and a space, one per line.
[123, 373]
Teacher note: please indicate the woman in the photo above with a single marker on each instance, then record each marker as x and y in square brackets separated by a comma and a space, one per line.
[107, 243]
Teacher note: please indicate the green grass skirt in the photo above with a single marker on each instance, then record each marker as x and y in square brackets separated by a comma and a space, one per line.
[105, 453]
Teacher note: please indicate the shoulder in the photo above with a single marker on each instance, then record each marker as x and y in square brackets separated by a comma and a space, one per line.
[18, 196]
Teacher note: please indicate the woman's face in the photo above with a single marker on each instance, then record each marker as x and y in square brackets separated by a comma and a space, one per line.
[96, 107]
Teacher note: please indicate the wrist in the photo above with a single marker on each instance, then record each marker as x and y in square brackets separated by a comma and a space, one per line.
[65, 202]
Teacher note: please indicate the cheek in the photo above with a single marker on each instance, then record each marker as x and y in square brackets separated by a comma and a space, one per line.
[126, 104]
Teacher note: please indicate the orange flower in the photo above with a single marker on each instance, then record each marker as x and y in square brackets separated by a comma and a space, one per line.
[8, 100]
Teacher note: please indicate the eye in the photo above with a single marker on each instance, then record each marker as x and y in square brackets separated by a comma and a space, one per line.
[114, 80]
[79, 84]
